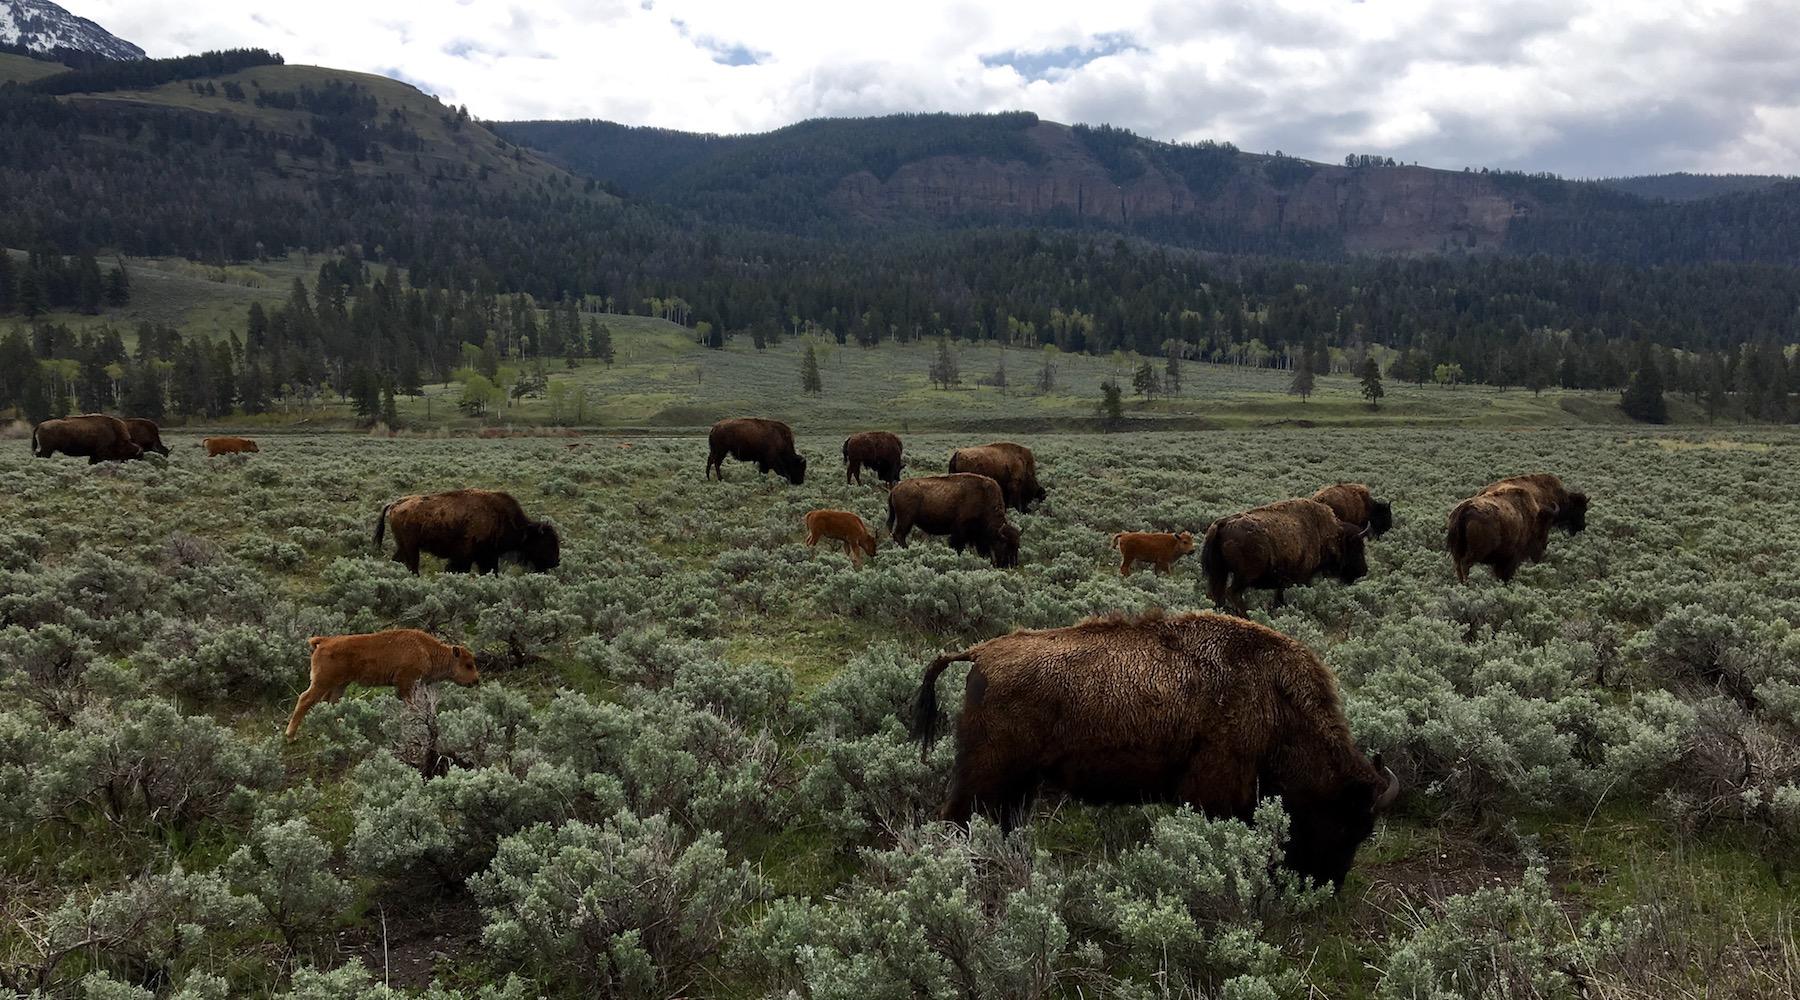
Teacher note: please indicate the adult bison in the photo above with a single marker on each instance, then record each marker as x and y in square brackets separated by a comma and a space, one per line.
[1279, 545]
[768, 443]
[964, 506]
[878, 451]
[1011, 465]
[1502, 527]
[93, 436]
[1568, 509]
[146, 435]
[1354, 503]
[1197, 708]
[216, 446]
[468, 528]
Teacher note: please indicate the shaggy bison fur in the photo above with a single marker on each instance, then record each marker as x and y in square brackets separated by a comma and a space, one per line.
[768, 443]
[93, 436]
[468, 528]
[964, 506]
[877, 451]
[1353, 503]
[1200, 709]
[1277, 546]
[1157, 548]
[1011, 465]
[1568, 509]
[146, 435]
[1503, 527]
[402, 658]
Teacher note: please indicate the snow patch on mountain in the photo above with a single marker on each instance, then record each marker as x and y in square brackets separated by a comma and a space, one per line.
[40, 26]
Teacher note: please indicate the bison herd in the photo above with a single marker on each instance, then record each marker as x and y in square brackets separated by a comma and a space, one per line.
[1204, 709]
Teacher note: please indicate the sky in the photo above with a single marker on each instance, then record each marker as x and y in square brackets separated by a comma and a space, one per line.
[1584, 88]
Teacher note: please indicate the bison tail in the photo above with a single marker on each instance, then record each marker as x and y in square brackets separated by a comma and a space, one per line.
[925, 711]
[381, 523]
[34, 443]
[1456, 539]
[1212, 561]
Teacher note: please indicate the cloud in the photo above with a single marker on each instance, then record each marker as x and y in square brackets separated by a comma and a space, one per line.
[1581, 87]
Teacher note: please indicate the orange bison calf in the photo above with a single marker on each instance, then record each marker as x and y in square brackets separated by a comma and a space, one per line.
[845, 527]
[216, 446]
[401, 657]
[1160, 549]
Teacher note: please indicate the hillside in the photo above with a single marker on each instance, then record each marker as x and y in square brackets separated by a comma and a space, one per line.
[1683, 186]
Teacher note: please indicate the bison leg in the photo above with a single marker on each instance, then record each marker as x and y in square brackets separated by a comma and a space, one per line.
[855, 553]
[458, 566]
[408, 557]
[1280, 598]
[1462, 571]
[1504, 571]
[1162, 567]
[1125, 565]
[715, 464]
[403, 690]
[853, 474]
[1234, 598]
[902, 527]
[302, 705]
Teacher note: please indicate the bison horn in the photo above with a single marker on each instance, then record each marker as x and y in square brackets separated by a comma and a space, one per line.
[1364, 533]
[1391, 792]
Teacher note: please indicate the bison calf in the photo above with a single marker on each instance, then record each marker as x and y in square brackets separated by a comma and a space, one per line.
[1277, 546]
[401, 658]
[1502, 528]
[968, 508]
[844, 527]
[216, 446]
[1155, 547]
[468, 528]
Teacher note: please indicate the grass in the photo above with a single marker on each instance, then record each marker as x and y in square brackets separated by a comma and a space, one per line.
[23, 69]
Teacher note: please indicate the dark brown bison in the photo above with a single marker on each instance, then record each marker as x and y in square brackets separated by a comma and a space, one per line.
[1502, 527]
[1011, 465]
[768, 443]
[146, 435]
[468, 528]
[1568, 509]
[879, 451]
[93, 436]
[1279, 545]
[966, 507]
[1200, 709]
[1353, 503]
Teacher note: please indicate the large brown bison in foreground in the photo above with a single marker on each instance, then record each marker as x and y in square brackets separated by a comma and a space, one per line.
[402, 658]
[1354, 503]
[1277, 546]
[877, 451]
[966, 507]
[93, 436]
[768, 443]
[1568, 509]
[468, 528]
[1011, 465]
[1199, 708]
[146, 435]
[1503, 527]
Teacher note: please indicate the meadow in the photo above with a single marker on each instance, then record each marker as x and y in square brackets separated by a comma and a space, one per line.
[686, 770]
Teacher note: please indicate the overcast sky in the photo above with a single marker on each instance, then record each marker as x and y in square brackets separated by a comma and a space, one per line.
[1580, 87]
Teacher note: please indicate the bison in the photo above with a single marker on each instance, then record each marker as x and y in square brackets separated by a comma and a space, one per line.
[768, 443]
[1198, 708]
[879, 451]
[1502, 527]
[146, 435]
[1353, 503]
[968, 508]
[216, 446]
[93, 436]
[1160, 549]
[1279, 545]
[1568, 509]
[844, 527]
[400, 657]
[1011, 465]
[468, 528]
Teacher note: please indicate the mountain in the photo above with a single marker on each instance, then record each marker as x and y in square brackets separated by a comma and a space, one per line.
[907, 171]
[41, 26]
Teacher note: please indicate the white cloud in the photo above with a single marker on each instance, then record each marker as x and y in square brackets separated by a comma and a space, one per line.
[1583, 87]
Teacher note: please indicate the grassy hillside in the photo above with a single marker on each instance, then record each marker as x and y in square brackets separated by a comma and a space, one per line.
[23, 69]
[204, 300]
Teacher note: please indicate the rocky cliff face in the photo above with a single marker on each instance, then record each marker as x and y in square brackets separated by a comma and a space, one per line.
[1379, 209]
[41, 26]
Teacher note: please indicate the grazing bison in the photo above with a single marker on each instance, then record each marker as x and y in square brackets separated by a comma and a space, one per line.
[400, 657]
[1011, 465]
[1197, 708]
[93, 436]
[1279, 545]
[1501, 527]
[1354, 504]
[768, 443]
[468, 528]
[1568, 509]
[216, 446]
[879, 451]
[967, 507]
[845, 527]
[146, 435]
[1160, 549]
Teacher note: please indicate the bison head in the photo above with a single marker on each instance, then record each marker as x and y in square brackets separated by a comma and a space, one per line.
[1006, 548]
[540, 548]
[1573, 515]
[794, 468]
[1353, 557]
[867, 544]
[1381, 517]
[462, 667]
[1184, 543]
[1325, 832]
